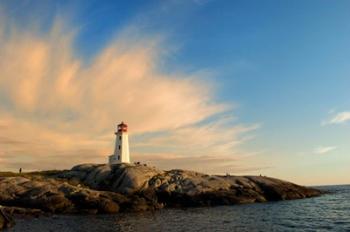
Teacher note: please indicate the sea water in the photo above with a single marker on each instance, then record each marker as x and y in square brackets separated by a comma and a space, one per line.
[329, 212]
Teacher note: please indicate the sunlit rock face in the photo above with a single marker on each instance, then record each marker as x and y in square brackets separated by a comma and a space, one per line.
[122, 178]
[172, 187]
[101, 188]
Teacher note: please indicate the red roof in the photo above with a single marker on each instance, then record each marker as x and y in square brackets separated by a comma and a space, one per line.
[122, 124]
[122, 127]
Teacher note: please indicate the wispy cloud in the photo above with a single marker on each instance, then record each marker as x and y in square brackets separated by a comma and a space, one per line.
[324, 150]
[338, 118]
[54, 106]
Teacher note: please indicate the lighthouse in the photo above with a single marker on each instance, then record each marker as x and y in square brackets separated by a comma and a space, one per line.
[121, 150]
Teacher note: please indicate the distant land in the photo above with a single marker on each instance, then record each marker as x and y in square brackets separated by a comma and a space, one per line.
[109, 189]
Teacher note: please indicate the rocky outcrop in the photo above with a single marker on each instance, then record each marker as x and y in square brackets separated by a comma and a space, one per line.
[42, 194]
[184, 188]
[91, 188]
[121, 178]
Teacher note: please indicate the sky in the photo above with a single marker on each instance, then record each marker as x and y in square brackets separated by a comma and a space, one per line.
[217, 86]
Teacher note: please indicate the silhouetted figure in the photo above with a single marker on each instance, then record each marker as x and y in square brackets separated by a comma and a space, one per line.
[20, 170]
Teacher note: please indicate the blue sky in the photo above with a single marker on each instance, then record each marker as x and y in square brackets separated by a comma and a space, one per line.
[281, 65]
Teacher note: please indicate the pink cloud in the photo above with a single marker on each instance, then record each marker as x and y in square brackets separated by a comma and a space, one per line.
[57, 105]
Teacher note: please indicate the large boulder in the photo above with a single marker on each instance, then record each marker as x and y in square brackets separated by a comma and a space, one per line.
[120, 178]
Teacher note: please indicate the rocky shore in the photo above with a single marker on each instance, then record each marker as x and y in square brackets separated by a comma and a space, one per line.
[93, 189]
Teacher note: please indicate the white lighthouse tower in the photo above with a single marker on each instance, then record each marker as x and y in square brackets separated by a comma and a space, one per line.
[121, 150]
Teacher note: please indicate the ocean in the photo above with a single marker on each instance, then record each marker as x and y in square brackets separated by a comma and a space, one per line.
[329, 212]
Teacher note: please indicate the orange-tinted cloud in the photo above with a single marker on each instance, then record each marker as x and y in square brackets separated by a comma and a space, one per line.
[57, 110]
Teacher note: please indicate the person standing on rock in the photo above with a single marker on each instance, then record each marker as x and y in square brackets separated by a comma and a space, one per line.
[20, 170]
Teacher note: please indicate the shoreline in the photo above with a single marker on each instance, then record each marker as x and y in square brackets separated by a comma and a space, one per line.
[103, 189]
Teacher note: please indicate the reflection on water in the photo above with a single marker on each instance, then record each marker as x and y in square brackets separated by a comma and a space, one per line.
[330, 212]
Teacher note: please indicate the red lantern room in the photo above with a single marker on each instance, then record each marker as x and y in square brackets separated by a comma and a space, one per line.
[122, 127]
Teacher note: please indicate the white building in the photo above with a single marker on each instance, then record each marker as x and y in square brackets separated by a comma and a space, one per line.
[121, 150]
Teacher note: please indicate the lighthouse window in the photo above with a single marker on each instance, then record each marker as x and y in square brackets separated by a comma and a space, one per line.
[120, 138]
[119, 147]
[118, 157]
